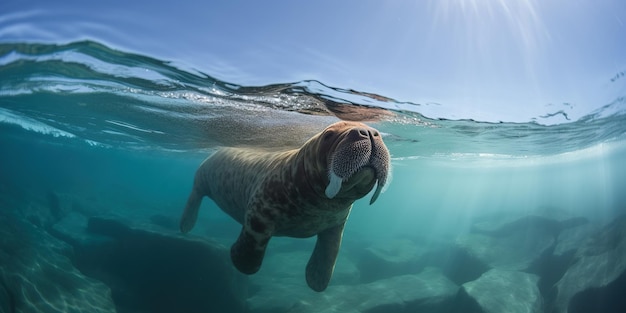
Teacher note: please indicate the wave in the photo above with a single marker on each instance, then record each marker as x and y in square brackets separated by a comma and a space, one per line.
[103, 96]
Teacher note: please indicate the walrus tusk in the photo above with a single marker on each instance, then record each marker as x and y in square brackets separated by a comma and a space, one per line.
[379, 188]
[334, 185]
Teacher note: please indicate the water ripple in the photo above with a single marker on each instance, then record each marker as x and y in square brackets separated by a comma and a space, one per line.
[88, 91]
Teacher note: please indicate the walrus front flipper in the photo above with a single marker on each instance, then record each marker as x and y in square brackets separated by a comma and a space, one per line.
[190, 215]
[248, 252]
[321, 265]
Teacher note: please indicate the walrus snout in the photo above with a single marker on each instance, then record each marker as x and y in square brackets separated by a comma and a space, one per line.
[360, 146]
[361, 133]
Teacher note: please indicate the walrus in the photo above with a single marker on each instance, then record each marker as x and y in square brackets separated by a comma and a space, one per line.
[297, 193]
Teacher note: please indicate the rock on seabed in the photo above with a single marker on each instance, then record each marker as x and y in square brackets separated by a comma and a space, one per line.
[596, 280]
[428, 291]
[37, 274]
[498, 291]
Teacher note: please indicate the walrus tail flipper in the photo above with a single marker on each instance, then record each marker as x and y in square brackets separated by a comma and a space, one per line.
[321, 265]
[190, 215]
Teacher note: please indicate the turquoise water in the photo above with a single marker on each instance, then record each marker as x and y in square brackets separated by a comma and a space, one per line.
[122, 134]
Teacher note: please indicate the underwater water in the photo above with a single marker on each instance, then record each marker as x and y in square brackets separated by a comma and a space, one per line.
[99, 148]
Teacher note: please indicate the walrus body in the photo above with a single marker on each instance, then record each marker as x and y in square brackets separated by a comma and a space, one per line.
[298, 193]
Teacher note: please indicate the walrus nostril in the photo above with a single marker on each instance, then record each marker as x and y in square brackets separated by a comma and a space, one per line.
[363, 132]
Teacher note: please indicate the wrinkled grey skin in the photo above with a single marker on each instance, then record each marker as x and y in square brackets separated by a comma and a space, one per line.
[297, 193]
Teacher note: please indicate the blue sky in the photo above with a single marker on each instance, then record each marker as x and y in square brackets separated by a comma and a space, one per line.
[483, 59]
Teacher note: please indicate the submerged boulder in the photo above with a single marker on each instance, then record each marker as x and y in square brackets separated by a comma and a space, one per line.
[46, 209]
[390, 258]
[499, 291]
[517, 243]
[395, 257]
[515, 251]
[152, 269]
[569, 240]
[428, 291]
[73, 230]
[596, 280]
[164, 271]
[37, 274]
[552, 267]
[291, 267]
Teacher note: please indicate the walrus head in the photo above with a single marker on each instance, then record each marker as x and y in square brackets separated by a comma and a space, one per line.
[355, 158]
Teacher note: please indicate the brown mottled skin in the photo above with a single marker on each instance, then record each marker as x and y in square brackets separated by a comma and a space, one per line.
[283, 194]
